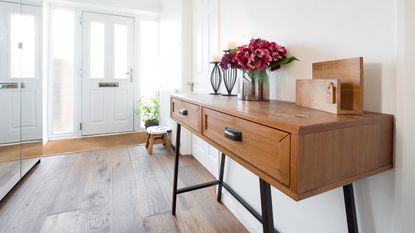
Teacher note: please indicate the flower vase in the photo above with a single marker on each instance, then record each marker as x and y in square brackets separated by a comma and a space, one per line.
[254, 85]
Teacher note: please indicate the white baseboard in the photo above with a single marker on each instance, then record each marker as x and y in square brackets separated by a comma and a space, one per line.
[246, 218]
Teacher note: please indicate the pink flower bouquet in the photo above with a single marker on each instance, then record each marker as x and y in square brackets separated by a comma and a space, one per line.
[259, 54]
[255, 59]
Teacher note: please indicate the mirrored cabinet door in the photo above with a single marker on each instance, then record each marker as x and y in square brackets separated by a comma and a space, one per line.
[10, 97]
[20, 91]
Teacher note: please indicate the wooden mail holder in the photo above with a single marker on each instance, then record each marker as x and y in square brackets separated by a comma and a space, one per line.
[336, 87]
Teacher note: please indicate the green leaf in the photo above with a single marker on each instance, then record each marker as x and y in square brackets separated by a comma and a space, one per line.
[287, 60]
[234, 50]
[149, 108]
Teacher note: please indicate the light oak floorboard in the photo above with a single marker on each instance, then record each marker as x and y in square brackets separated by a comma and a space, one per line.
[63, 223]
[117, 191]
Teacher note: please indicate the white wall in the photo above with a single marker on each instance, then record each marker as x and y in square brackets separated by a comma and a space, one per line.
[317, 31]
[171, 43]
[405, 148]
[175, 53]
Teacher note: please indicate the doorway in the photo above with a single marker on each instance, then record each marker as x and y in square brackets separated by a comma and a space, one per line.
[107, 98]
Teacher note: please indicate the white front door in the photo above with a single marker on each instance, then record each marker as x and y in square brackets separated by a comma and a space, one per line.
[205, 44]
[107, 74]
[20, 73]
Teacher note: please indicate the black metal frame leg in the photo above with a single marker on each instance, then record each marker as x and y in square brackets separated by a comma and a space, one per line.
[266, 202]
[350, 208]
[176, 169]
[266, 207]
[221, 170]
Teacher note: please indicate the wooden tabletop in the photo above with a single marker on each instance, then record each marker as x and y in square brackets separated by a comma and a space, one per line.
[283, 115]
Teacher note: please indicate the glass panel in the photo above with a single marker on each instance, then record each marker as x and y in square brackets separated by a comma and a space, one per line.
[22, 34]
[63, 47]
[96, 44]
[14, 50]
[149, 60]
[149, 57]
[120, 52]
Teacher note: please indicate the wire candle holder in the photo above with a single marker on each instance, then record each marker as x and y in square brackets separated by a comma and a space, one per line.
[229, 79]
[215, 78]
[230, 74]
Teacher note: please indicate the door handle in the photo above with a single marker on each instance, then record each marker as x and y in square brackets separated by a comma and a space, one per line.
[183, 112]
[131, 74]
[10, 85]
[233, 134]
[191, 85]
[109, 84]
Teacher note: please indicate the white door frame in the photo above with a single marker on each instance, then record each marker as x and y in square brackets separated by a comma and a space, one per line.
[77, 8]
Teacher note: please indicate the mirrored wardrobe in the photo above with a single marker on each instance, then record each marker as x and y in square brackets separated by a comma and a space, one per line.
[20, 90]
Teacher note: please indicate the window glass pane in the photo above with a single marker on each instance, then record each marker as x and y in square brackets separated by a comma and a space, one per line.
[63, 47]
[150, 80]
[120, 52]
[149, 58]
[14, 50]
[97, 50]
[22, 30]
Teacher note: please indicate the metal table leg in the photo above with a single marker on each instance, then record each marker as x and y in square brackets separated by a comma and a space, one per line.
[266, 207]
[176, 169]
[350, 208]
[222, 168]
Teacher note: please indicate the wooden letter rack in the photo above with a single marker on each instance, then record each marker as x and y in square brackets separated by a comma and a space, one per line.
[336, 87]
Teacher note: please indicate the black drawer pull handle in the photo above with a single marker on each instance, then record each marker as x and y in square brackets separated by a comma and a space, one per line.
[183, 111]
[233, 134]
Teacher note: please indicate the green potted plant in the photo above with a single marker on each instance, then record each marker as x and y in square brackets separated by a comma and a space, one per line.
[149, 110]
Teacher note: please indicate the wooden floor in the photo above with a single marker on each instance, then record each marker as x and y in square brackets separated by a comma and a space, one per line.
[85, 144]
[119, 190]
[17, 151]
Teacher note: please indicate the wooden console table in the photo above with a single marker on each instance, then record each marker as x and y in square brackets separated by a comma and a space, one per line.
[300, 151]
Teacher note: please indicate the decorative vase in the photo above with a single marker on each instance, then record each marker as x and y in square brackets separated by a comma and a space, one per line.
[254, 85]
[215, 78]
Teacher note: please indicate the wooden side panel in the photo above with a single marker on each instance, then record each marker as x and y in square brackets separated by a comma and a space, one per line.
[284, 153]
[321, 94]
[294, 162]
[333, 158]
[350, 73]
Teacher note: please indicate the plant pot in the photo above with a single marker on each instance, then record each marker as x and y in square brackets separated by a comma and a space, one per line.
[150, 123]
[254, 85]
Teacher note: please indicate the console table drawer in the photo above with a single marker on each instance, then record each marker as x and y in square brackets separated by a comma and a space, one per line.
[265, 148]
[186, 113]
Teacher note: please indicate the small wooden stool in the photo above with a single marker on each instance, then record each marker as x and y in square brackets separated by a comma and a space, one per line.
[157, 135]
